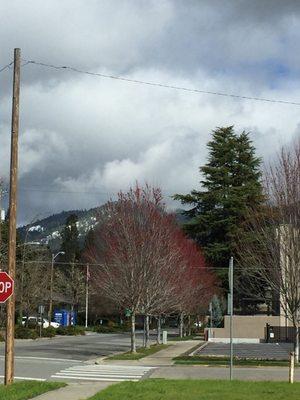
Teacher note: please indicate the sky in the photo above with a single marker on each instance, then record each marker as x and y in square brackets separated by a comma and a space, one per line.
[83, 138]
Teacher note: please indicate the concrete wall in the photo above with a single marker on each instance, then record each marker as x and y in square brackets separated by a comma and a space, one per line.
[246, 328]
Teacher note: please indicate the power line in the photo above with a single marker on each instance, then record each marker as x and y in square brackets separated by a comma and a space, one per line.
[58, 263]
[32, 189]
[28, 189]
[6, 66]
[157, 84]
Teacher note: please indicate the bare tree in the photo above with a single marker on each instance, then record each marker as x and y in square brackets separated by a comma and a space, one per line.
[271, 250]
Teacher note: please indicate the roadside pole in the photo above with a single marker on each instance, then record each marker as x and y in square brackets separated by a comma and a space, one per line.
[231, 314]
[292, 367]
[10, 318]
[211, 319]
[41, 310]
[51, 288]
[53, 257]
[87, 295]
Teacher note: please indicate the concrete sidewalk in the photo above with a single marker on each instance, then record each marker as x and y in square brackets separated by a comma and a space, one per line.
[75, 391]
[161, 358]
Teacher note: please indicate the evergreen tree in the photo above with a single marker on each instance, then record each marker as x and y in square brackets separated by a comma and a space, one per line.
[231, 184]
[70, 240]
[72, 278]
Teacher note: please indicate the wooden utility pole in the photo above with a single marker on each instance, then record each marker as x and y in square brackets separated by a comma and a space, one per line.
[10, 319]
[1, 194]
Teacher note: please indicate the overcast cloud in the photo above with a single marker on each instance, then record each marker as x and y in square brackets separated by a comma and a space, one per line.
[83, 138]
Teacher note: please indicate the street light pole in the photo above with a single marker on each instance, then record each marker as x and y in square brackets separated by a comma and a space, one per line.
[231, 314]
[51, 284]
[87, 295]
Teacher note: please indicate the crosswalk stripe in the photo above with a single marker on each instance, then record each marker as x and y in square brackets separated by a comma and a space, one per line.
[93, 379]
[102, 375]
[97, 373]
[113, 373]
[109, 370]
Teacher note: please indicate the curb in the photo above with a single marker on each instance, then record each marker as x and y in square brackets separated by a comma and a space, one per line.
[198, 349]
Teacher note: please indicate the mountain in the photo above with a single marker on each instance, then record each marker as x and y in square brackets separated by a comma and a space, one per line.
[47, 231]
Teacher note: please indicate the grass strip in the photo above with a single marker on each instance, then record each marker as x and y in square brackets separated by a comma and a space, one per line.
[184, 338]
[140, 353]
[27, 389]
[160, 389]
[204, 360]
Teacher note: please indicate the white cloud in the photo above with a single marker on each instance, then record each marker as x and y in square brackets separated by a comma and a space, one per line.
[86, 134]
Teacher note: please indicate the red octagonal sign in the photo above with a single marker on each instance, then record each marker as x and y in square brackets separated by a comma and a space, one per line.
[6, 287]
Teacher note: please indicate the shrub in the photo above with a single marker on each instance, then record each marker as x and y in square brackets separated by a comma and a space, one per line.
[103, 329]
[22, 332]
[31, 324]
[49, 332]
[73, 330]
[111, 328]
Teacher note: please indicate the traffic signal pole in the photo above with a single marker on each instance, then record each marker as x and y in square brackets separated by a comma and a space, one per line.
[10, 318]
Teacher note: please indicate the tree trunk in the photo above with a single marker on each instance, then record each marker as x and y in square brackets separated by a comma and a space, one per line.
[181, 325]
[189, 326]
[159, 330]
[133, 341]
[144, 331]
[296, 345]
[197, 326]
[147, 341]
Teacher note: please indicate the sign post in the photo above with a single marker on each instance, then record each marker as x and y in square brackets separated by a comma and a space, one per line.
[41, 311]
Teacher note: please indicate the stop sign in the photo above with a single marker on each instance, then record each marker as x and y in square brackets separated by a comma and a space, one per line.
[6, 286]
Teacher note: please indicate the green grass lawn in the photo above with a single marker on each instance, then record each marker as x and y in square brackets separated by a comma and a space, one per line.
[159, 389]
[27, 389]
[204, 360]
[140, 353]
[184, 338]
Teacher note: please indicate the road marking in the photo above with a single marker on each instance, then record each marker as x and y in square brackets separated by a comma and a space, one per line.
[25, 378]
[110, 373]
[92, 379]
[46, 359]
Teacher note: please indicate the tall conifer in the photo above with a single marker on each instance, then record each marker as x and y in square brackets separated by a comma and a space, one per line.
[231, 183]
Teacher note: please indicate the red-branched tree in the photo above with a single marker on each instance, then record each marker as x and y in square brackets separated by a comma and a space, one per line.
[146, 264]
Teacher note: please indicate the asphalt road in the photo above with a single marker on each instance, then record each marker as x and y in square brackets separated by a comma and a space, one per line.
[72, 347]
[43, 358]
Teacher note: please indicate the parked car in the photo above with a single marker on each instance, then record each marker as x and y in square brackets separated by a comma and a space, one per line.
[37, 321]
